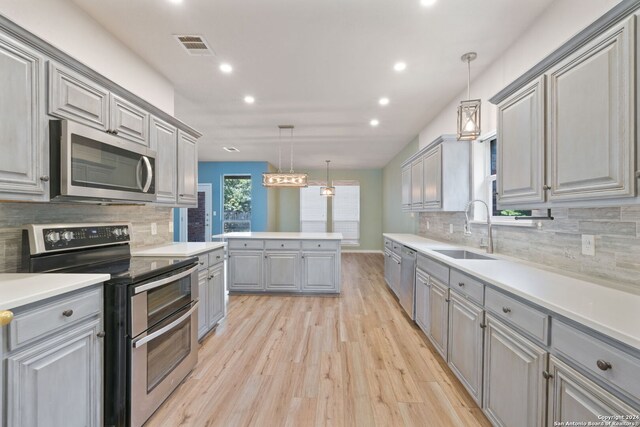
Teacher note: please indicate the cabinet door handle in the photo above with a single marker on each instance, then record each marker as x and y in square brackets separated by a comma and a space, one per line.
[6, 316]
[603, 365]
[67, 313]
[44, 178]
[101, 334]
[447, 300]
[319, 245]
[201, 262]
[483, 325]
[461, 284]
[302, 256]
[546, 187]
[546, 375]
[282, 245]
[218, 257]
[506, 310]
[115, 132]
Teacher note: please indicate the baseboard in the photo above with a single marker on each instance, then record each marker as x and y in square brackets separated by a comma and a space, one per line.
[362, 251]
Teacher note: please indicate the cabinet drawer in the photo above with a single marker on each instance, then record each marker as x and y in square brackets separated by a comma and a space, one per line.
[467, 285]
[433, 268]
[396, 247]
[330, 245]
[45, 319]
[592, 353]
[203, 262]
[245, 244]
[282, 244]
[521, 315]
[387, 243]
[216, 257]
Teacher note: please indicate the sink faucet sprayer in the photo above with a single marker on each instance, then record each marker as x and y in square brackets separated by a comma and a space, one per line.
[467, 227]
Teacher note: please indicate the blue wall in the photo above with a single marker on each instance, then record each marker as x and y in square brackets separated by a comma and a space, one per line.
[213, 172]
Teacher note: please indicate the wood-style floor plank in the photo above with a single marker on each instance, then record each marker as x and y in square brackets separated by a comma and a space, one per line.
[348, 360]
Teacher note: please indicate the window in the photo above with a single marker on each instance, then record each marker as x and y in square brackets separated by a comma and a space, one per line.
[346, 211]
[236, 203]
[313, 210]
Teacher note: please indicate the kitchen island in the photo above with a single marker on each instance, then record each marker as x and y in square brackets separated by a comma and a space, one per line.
[265, 262]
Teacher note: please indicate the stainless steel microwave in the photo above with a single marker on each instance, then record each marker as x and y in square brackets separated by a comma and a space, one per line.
[91, 165]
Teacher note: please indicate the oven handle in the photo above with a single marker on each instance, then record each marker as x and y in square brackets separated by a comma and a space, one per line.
[142, 341]
[164, 281]
[149, 174]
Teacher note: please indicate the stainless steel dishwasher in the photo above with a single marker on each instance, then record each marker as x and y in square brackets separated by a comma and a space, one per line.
[407, 280]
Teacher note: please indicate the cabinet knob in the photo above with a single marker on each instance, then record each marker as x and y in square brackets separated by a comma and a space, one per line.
[282, 245]
[245, 245]
[115, 132]
[302, 256]
[447, 300]
[483, 325]
[201, 262]
[506, 310]
[6, 316]
[546, 187]
[218, 257]
[101, 334]
[603, 365]
[319, 245]
[546, 375]
[44, 178]
[67, 313]
[461, 284]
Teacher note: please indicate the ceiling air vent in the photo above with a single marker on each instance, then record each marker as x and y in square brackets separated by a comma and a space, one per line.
[195, 45]
[231, 149]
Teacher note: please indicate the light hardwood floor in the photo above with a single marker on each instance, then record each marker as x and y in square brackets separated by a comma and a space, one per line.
[352, 360]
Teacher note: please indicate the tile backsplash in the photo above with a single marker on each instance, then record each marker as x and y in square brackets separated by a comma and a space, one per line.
[13, 216]
[558, 243]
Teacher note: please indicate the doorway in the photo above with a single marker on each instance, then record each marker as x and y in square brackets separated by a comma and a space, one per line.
[195, 223]
[236, 202]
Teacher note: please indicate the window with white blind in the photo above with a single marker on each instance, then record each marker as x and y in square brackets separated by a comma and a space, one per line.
[346, 211]
[313, 210]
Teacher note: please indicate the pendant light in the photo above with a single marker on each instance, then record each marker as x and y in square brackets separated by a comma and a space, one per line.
[469, 110]
[282, 179]
[328, 191]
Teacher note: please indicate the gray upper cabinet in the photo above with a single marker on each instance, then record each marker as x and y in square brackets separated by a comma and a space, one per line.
[514, 386]
[406, 187]
[416, 184]
[128, 121]
[75, 97]
[465, 343]
[591, 131]
[573, 397]
[521, 146]
[439, 316]
[164, 141]
[187, 170]
[433, 178]
[24, 167]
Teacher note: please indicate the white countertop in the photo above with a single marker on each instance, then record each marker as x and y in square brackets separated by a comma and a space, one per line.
[178, 249]
[613, 312]
[283, 235]
[18, 289]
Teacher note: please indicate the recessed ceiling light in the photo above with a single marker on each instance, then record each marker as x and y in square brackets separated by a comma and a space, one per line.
[383, 101]
[374, 122]
[427, 3]
[249, 99]
[400, 66]
[226, 68]
[231, 149]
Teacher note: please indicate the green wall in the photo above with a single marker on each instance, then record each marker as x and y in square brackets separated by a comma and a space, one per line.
[288, 211]
[393, 219]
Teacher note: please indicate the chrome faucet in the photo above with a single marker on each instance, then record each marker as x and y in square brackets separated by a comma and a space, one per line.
[467, 227]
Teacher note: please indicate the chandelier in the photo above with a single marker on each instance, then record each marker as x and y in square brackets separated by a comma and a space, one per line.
[328, 191]
[284, 179]
[469, 110]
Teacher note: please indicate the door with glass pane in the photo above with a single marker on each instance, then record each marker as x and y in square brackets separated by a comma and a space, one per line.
[195, 223]
[236, 203]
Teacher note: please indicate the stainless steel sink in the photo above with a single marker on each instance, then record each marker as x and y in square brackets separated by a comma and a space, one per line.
[462, 254]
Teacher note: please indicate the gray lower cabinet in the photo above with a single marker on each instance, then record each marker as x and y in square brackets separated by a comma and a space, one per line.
[319, 272]
[514, 386]
[216, 295]
[203, 295]
[387, 266]
[53, 363]
[282, 271]
[187, 170]
[24, 163]
[164, 141]
[465, 343]
[245, 270]
[422, 300]
[439, 316]
[394, 272]
[573, 397]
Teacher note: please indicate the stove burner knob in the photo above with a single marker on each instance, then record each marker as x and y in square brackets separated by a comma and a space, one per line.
[116, 232]
[125, 231]
[67, 235]
[53, 236]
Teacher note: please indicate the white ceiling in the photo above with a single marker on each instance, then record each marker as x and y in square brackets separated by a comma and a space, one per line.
[320, 65]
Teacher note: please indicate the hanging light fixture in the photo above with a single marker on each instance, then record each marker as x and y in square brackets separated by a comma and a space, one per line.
[283, 179]
[328, 191]
[469, 110]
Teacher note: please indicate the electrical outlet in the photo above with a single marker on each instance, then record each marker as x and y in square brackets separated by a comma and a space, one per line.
[154, 228]
[170, 226]
[428, 225]
[588, 245]
[450, 228]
